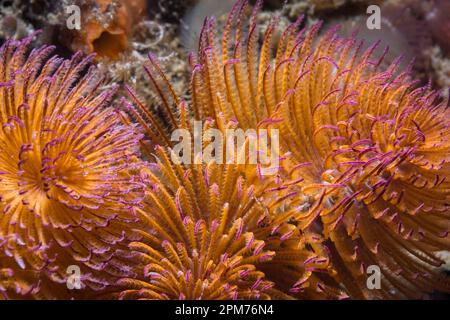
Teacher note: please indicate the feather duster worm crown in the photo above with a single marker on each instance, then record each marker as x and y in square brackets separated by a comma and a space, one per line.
[372, 149]
[369, 149]
[215, 232]
[13, 288]
[66, 168]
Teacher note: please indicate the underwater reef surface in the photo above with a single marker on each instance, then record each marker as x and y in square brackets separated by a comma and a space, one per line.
[89, 182]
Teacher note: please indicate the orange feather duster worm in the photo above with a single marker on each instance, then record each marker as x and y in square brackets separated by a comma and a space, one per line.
[363, 178]
[217, 231]
[67, 172]
[369, 150]
[11, 288]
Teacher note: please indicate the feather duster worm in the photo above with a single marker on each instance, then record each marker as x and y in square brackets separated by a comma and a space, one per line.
[217, 231]
[66, 168]
[403, 29]
[13, 289]
[370, 149]
[210, 237]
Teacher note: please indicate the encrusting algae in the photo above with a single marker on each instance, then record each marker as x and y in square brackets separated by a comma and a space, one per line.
[108, 39]
[363, 177]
